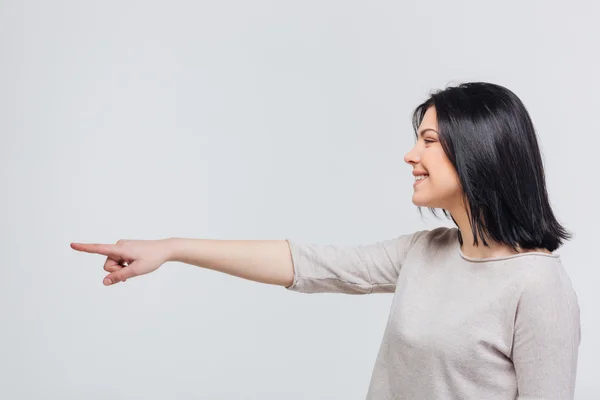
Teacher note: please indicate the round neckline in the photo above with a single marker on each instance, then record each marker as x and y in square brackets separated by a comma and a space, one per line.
[530, 253]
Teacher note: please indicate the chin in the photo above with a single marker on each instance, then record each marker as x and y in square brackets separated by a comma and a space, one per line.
[422, 201]
[419, 202]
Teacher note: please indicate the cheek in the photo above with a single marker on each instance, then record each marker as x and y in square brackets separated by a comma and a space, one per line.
[436, 162]
[442, 171]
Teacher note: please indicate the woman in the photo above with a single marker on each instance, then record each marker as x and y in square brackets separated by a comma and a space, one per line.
[484, 310]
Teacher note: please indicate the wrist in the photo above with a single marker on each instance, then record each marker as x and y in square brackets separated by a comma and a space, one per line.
[170, 249]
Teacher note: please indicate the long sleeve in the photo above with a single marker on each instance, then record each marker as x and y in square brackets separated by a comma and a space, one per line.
[359, 269]
[547, 334]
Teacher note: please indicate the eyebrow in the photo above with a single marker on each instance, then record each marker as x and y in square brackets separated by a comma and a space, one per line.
[428, 129]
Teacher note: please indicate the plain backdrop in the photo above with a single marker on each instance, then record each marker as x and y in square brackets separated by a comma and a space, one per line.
[250, 120]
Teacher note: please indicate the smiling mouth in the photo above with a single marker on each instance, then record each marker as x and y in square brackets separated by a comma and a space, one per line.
[419, 179]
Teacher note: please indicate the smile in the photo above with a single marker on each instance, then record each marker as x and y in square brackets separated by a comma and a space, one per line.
[420, 179]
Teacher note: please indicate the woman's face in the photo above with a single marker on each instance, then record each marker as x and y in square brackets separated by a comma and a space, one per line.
[441, 188]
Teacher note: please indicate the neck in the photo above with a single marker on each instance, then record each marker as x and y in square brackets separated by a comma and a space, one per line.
[493, 248]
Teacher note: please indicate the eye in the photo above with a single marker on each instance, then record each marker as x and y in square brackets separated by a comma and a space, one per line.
[429, 141]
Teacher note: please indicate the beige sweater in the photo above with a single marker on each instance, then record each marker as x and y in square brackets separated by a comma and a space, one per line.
[459, 327]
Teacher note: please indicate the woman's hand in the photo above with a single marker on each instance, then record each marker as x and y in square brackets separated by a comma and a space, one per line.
[129, 258]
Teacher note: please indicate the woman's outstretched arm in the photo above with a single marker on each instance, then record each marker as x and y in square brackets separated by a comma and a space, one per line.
[266, 261]
[302, 267]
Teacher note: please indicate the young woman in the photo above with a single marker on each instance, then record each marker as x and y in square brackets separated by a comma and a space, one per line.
[484, 310]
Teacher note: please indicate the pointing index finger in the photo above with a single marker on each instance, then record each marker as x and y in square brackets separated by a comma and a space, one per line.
[96, 248]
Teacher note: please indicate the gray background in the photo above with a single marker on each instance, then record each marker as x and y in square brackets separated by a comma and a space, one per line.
[250, 120]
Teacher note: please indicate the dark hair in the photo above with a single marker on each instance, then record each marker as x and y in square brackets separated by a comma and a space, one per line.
[489, 138]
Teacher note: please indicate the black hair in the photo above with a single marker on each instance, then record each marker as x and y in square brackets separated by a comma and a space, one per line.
[489, 137]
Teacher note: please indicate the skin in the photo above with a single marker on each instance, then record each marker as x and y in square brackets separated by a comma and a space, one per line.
[142, 257]
[442, 188]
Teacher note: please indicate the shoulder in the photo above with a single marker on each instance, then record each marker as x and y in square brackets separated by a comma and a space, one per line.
[432, 237]
[546, 275]
[548, 303]
[427, 242]
[437, 238]
[442, 236]
[547, 284]
[548, 293]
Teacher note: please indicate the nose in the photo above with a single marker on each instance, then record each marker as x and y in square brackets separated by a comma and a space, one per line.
[413, 156]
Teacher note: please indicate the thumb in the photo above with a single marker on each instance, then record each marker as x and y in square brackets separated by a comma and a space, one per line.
[120, 275]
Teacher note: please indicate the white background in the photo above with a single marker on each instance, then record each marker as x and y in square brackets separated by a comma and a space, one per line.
[250, 120]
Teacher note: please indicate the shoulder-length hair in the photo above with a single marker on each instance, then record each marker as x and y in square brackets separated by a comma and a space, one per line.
[489, 137]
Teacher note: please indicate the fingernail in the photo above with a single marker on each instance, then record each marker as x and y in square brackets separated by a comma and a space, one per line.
[107, 281]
